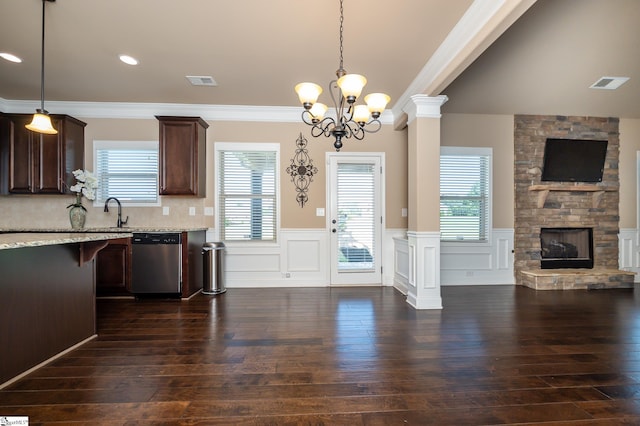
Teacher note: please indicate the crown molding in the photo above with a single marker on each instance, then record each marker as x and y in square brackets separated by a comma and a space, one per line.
[126, 110]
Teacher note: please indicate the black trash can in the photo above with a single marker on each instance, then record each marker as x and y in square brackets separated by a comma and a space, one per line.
[213, 268]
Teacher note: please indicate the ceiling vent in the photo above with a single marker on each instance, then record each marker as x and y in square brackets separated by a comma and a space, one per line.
[609, 83]
[201, 80]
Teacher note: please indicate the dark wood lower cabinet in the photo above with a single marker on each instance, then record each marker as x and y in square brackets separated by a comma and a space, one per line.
[113, 268]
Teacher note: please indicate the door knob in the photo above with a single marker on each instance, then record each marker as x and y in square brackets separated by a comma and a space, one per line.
[334, 230]
[334, 221]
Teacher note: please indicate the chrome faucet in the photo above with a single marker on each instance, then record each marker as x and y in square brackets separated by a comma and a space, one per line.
[106, 209]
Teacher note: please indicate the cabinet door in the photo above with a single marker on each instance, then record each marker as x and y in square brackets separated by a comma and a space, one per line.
[48, 161]
[113, 268]
[20, 156]
[182, 156]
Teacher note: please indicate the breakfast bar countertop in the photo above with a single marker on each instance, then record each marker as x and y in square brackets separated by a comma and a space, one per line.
[36, 239]
[106, 229]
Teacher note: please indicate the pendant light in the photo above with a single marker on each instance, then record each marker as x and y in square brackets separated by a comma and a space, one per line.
[41, 122]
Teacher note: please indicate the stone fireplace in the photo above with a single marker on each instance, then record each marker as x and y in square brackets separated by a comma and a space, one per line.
[543, 258]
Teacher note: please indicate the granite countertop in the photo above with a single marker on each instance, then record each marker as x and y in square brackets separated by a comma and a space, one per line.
[25, 239]
[113, 229]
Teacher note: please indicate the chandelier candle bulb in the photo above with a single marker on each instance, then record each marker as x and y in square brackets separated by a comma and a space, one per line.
[308, 93]
[318, 110]
[377, 102]
[351, 86]
[361, 114]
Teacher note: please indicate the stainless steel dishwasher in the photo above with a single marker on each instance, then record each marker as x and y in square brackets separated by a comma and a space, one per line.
[156, 263]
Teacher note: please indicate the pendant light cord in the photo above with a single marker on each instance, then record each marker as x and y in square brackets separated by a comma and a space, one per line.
[42, 62]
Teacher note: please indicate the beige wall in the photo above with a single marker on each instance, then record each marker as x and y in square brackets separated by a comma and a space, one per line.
[391, 142]
[50, 211]
[493, 131]
[629, 147]
[424, 173]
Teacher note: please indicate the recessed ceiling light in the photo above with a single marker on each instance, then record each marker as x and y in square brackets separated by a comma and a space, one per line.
[201, 80]
[9, 57]
[609, 83]
[129, 60]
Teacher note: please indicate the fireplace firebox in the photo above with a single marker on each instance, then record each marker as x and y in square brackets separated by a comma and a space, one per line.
[566, 248]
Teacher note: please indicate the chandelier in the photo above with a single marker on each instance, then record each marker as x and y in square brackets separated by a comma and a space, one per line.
[351, 120]
[41, 122]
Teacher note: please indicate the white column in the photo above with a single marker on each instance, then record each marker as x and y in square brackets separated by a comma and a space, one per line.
[423, 112]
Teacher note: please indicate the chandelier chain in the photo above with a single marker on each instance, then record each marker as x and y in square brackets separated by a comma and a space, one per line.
[341, 28]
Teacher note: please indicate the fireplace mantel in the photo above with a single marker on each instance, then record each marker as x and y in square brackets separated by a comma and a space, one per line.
[598, 191]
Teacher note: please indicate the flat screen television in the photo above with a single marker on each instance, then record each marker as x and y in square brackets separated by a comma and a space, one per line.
[573, 160]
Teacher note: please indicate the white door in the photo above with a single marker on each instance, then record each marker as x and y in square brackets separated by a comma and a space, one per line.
[355, 221]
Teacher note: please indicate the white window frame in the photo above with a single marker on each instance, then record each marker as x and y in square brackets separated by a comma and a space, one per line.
[113, 144]
[248, 146]
[474, 151]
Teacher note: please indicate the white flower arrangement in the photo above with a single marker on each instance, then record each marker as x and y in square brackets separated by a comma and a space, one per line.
[86, 184]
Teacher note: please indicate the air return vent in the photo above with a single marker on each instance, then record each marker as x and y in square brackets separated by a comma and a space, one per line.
[609, 83]
[201, 80]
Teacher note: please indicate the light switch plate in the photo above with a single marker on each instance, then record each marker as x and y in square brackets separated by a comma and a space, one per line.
[404, 212]
[192, 211]
[165, 211]
[208, 211]
[320, 211]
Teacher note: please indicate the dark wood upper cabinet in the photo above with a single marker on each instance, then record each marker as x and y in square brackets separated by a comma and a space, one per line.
[34, 163]
[182, 156]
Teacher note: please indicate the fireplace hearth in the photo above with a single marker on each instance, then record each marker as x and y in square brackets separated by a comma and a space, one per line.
[566, 248]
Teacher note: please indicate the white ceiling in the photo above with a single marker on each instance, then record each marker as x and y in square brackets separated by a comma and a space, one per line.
[258, 50]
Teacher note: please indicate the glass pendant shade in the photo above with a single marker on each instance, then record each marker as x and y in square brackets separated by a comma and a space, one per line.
[361, 114]
[41, 123]
[308, 93]
[351, 86]
[318, 110]
[377, 102]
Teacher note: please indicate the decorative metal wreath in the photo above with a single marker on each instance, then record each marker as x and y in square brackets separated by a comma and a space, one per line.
[301, 170]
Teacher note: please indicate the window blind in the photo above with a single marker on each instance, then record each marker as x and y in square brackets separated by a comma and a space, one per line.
[356, 215]
[131, 175]
[247, 195]
[464, 197]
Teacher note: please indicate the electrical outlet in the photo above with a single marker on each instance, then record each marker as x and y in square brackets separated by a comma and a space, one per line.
[208, 211]
[165, 211]
[320, 211]
[192, 211]
[404, 212]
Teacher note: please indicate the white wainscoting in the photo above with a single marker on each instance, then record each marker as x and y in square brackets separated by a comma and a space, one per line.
[629, 251]
[401, 263]
[469, 264]
[464, 264]
[303, 254]
[300, 259]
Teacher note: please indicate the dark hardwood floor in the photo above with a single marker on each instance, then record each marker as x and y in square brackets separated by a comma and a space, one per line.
[349, 356]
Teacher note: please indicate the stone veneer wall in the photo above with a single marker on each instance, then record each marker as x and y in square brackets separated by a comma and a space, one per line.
[563, 208]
